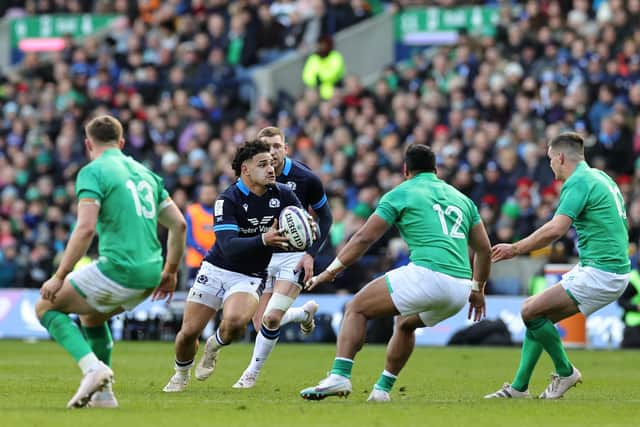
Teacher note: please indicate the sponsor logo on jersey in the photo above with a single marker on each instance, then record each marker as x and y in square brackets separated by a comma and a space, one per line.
[217, 210]
[254, 230]
[245, 207]
[265, 220]
[292, 185]
[258, 225]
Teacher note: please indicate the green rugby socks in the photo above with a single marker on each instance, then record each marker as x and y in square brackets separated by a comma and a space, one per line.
[531, 351]
[99, 338]
[386, 381]
[65, 332]
[546, 334]
[342, 366]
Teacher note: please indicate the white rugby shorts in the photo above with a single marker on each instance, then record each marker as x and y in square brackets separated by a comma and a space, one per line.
[432, 295]
[102, 293]
[213, 285]
[281, 267]
[593, 288]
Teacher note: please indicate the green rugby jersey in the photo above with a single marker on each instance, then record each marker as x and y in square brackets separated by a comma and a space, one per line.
[594, 202]
[130, 197]
[434, 219]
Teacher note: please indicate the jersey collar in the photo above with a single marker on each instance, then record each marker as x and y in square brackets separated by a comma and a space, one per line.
[287, 166]
[112, 151]
[242, 187]
[430, 176]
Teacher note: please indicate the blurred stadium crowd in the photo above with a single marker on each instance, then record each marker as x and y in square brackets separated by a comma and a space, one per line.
[177, 74]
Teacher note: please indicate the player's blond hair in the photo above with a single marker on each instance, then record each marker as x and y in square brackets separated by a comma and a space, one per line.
[270, 131]
[104, 130]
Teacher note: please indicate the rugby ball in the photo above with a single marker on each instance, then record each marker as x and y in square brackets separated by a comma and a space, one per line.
[293, 221]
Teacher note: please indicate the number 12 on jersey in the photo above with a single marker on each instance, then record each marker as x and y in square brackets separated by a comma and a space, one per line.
[452, 212]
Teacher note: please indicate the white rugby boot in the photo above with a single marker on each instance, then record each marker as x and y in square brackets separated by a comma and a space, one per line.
[559, 385]
[207, 363]
[508, 392]
[310, 307]
[333, 385]
[379, 395]
[103, 398]
[247, 380]
[178, 382]
[93, 381]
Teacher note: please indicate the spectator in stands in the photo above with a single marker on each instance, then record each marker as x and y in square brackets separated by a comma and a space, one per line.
[487, 106]
[200, 235]
[324, 69]
[8, 266]
[242, 49]
[270, 35]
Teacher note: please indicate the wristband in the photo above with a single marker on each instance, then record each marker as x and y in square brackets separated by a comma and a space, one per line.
[475, 286]
[336, 266]
[262, 237]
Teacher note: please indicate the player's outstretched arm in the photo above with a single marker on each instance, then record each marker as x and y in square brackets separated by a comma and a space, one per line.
[171, 218]
[543, 236]
[479, 243]
[325, 219]
[77, 246]
[372, 230]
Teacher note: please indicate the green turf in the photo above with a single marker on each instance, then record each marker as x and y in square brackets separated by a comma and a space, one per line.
[439, 387]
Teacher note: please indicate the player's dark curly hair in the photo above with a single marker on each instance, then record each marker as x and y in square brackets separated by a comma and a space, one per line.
[420, 158]
[246, 152]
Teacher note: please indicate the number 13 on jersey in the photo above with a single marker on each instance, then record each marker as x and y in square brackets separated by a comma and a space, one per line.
[143, 191]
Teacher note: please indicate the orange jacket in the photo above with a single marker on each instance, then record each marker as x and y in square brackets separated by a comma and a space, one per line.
[200, 235]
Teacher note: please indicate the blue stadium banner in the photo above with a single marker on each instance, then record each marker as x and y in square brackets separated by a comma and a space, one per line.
[436, 25]
[604, 328]
[18, 316]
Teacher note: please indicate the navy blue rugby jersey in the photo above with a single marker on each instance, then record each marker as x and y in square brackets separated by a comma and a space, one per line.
[240, 219]
[307, 186]
[304, 183]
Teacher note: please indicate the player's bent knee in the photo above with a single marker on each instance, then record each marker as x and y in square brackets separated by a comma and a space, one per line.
[190, 331]
[275, 309]
[527, 312]
[272, 320]
[405, 325]
[42, 307]
[235, 323]
[352, 307]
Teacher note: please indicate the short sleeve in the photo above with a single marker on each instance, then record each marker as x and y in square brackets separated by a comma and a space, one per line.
[88, 185]
[317, 196]
[389, 207]
[573, 198]
[162, 195]
[475, 215]
[224, 214]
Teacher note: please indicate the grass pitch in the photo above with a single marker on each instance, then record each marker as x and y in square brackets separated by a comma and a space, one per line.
[439, 387]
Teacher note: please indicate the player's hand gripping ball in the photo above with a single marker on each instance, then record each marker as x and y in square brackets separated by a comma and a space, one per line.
[295, 224]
